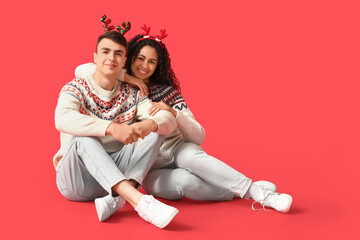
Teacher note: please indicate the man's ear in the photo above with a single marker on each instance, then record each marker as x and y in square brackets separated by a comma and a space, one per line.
[95, 56]
[124, 63]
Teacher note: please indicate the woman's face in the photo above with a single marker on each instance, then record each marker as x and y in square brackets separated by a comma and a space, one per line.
[144, 64]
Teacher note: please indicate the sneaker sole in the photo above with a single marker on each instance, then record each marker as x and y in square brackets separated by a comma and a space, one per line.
[99, 208]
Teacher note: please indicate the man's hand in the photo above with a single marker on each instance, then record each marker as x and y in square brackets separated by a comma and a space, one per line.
[144, 128]
[124, 133]
[157, 106]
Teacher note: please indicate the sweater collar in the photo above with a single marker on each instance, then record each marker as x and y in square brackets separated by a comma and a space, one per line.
[100, 90]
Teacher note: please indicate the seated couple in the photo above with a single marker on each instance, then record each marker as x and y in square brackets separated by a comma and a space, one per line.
[115, 137]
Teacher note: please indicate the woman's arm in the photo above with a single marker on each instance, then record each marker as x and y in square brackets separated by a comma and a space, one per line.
[165, 121]
[88, 69]
[187, 125]
[136, 82]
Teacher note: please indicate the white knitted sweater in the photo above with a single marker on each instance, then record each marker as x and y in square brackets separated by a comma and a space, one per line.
[86, 109]
[188, 129]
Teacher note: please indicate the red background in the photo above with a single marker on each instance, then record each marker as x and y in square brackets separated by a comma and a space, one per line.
[274, 83]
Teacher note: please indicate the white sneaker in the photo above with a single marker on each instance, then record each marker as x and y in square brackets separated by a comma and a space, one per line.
[279, 201]
[155, 212]
[265, 186]
[268, 186]
[107, 206]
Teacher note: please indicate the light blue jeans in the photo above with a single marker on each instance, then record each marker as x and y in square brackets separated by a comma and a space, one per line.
[198, 176]
[87, 171]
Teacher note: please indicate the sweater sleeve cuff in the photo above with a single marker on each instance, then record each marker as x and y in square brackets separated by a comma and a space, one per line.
[165, 121]
[105, 126]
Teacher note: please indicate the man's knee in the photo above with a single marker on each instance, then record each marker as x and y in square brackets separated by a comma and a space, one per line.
[156, 137]
[152, 141]
[87, 140]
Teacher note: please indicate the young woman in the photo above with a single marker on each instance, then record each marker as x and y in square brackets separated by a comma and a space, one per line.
[183, 169]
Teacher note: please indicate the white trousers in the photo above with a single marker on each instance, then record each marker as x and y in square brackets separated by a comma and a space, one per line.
[198, 176]
[87, 171]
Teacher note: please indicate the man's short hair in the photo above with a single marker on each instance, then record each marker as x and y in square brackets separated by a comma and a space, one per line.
[114, 36]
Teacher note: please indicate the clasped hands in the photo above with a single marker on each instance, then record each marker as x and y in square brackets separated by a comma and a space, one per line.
[128, 134]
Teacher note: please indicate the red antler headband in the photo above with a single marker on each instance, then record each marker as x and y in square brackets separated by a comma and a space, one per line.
[107, 28]
[158, 38]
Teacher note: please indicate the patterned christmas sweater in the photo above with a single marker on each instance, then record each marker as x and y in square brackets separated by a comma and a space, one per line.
[86, 109]
[188, 129]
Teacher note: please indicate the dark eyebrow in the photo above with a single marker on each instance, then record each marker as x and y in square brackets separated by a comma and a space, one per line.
[145, 57]
[108, 49]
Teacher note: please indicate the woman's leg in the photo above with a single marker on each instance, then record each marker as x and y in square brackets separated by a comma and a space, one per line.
[177, 183]
[192, 157]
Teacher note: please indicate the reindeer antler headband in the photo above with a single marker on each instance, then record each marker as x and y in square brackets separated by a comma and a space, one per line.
[107, 28]
[158, 38]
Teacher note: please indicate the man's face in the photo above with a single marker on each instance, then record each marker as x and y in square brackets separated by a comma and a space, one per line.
[110, 57]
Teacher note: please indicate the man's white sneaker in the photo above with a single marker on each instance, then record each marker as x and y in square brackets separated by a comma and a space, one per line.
[268, 186]
[279, 201]
[155, 212]
[107, 206]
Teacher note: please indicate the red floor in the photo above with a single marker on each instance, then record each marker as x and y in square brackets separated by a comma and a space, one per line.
[274, 83]
[324, 207]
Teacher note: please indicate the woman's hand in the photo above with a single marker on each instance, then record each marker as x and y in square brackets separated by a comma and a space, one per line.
[145, 127]
[157, 106]
[137, 82]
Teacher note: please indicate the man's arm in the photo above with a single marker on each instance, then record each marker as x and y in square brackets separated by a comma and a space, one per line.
[164, 120]
[68, 118]
[127, 134]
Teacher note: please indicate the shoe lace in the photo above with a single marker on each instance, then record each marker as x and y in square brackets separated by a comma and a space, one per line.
[150, 209]
[265, 202]
[114, 201]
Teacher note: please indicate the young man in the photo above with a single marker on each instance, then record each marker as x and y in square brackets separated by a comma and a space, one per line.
[104, 153]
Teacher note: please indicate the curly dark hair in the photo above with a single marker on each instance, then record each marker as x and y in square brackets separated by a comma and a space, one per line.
[163, 74]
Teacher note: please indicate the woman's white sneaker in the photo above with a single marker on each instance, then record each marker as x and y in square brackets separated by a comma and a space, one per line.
[155, 212]
[269, 186]
[278, 201]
